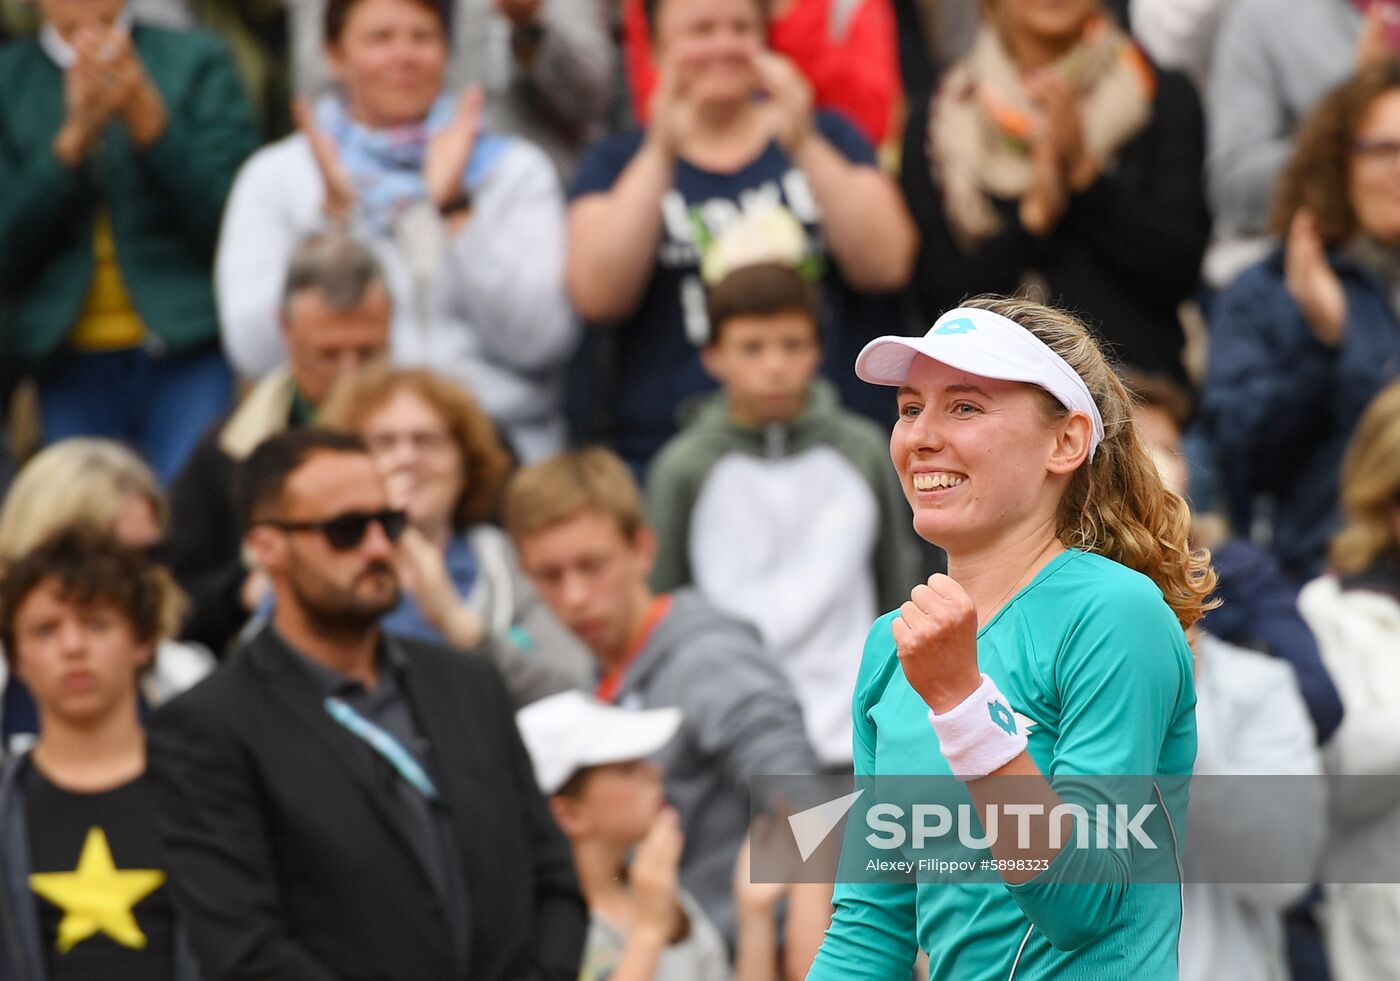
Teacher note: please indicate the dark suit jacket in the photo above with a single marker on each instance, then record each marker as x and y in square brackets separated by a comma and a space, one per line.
[286, 859]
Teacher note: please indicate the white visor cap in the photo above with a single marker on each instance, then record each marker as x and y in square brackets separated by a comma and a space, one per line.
[983, 343]
[567, 732]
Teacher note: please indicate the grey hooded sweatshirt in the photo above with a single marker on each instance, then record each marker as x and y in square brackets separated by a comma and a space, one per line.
[741, 720]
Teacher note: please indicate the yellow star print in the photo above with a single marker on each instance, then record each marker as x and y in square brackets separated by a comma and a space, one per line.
[97, 896]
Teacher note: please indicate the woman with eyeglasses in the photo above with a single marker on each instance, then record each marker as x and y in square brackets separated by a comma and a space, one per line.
[1304, 340]
[1355, 612]
[445, 466]
[101, 485]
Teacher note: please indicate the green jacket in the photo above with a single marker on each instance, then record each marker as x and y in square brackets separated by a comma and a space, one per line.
[165, 201]
[709, 434]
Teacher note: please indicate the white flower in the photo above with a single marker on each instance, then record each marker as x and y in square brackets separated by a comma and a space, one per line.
[765, 233]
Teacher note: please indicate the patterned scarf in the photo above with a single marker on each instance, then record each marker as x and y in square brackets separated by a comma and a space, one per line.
[386, 164]
[981, 119]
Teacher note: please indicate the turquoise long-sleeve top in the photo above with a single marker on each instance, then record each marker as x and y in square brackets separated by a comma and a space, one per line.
[1098, 669]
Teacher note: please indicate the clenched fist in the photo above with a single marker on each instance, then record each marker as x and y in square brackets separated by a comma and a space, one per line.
[936, 637]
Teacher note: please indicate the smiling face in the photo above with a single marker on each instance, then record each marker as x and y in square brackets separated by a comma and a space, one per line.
[80, 661]
[1373, 183]
[390, 57]
[978, 458]
[711, 43]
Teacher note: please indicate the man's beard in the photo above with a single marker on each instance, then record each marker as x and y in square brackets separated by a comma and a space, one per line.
[332, 612]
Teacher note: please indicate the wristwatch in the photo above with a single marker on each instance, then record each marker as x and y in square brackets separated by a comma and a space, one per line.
[455, 205]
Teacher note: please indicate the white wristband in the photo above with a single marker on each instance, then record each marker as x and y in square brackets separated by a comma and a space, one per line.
[979, 735]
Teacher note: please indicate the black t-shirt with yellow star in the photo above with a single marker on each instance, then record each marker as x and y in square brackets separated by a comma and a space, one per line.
[104, 911]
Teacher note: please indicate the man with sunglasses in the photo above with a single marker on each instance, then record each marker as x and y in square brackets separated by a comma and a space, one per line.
[341, 803]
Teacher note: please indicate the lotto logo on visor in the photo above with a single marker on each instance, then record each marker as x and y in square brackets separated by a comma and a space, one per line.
[960, 326]
[983, 343]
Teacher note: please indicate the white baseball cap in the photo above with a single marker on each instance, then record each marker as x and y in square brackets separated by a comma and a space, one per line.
[567, 732]
[983, 343]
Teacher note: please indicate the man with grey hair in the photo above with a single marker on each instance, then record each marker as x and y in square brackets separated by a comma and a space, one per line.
[335, 315]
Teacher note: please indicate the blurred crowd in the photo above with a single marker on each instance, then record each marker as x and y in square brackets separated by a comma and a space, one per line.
[393, 367]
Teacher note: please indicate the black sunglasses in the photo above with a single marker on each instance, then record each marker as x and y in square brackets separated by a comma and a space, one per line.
[346, 531]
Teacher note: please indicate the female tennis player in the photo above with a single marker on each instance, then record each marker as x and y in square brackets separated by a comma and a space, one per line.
[1054, 648]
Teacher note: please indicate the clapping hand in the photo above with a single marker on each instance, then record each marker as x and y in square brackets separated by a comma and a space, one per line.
[1044, 202]
[340, 189]
[88, 107]
[107, 81]
[672, 113]
[789, 105]
[1063, 124]
[1059, 157]
[1311, 281]
[450, 149]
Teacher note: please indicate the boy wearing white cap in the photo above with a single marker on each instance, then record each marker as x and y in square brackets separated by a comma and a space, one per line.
[590, 760]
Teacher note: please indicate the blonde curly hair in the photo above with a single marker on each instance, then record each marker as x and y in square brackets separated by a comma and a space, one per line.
[1116, 504]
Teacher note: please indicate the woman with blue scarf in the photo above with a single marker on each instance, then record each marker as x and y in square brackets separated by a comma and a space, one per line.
[467, 224]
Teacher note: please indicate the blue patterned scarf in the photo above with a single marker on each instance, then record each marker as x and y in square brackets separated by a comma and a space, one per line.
[386, 164]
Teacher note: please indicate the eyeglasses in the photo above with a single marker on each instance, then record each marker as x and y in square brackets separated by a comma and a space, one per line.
[1377, 151]
[346, 531]
[422, 441]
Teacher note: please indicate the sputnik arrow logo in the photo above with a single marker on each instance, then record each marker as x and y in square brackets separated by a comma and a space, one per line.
[810, 827]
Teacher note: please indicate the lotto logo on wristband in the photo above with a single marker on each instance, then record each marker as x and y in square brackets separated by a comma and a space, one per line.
[975, 744]
[1002, 716]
